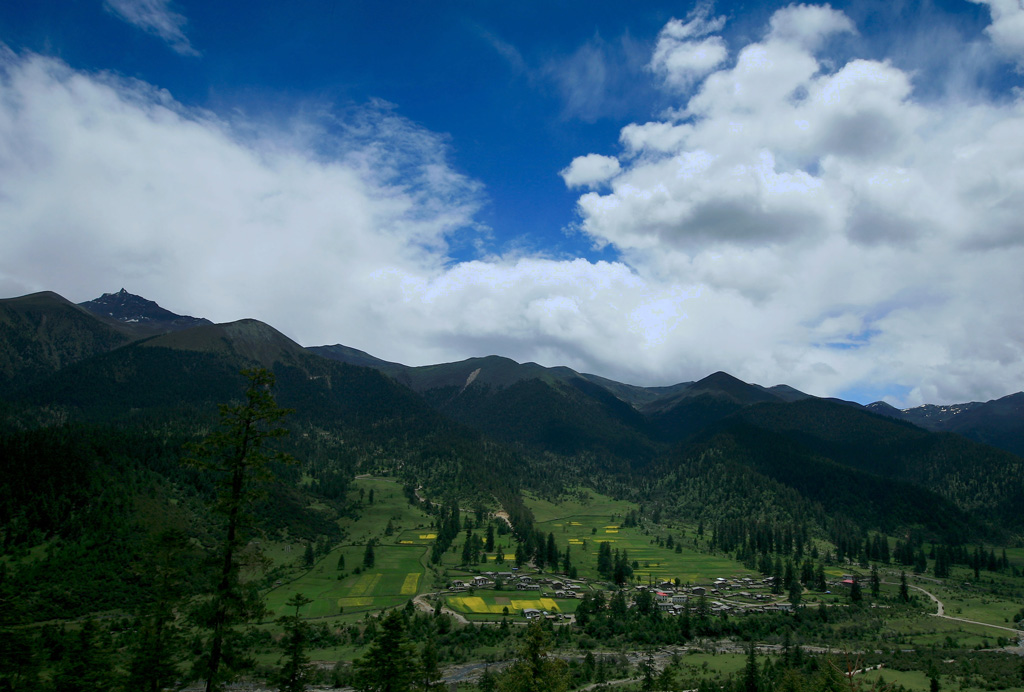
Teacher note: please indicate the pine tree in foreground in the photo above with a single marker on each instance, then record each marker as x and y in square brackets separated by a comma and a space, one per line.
[295, 671]
[534, 670]
[390, 664]
[236, 458]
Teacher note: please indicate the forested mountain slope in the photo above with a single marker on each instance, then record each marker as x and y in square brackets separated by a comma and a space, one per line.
[485, 428]
[42, 333]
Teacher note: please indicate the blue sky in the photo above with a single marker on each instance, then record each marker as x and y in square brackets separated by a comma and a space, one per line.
[823, 195]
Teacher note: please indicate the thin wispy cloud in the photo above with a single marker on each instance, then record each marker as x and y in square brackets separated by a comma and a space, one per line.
[506, 50]
[155, 17]
[599, 79]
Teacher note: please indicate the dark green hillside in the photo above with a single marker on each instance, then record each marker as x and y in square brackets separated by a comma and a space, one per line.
[148, 381]
[634, 395]
[718, 385]
[87, 493]
[554, 410]
[999, 422]
[690, 415]
[93, 493]
[95, 496]
[677, 416]
[354, 356]
[134, 381]
[248, 341]
[836, 456]
[565, 418]
[42, 333]
[977, 478]
[348, 419]
[868, 500]
[196, 368]
[494, 371]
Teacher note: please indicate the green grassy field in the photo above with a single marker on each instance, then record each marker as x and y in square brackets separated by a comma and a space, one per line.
[596, 505]
[395, 578]
[965, 600]
[917, 681]
[398, 572]
[583, 526]
[726, 664]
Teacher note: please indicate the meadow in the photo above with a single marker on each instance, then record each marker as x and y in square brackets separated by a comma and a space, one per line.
[398, 572]
[583, 526]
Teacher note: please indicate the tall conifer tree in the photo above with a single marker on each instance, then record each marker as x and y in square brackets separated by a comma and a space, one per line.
[237, 457]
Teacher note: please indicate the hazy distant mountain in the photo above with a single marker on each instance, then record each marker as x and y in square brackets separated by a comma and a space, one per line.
[928, 416]
[559, 406]
[500, 372]
[143, 316]
[496, 371]
[999, 422]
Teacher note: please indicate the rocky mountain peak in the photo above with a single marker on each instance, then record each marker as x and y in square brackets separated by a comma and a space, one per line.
[135, 310]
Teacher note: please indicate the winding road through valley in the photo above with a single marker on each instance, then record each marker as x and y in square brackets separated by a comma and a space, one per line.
[941, 613]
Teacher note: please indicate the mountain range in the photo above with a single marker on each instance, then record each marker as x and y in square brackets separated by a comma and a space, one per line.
[489, 427]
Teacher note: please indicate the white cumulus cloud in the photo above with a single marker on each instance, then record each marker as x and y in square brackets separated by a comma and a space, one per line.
[859, 236]
[685, 52]
[1007, 27]
[112, 183]
[590, 170]
[808, 25]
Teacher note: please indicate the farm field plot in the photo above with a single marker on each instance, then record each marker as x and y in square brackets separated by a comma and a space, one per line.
[596, 505]
[419, 536]
[396, 576]
[495, 602]
[583, 533]
[389, 505]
